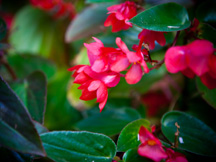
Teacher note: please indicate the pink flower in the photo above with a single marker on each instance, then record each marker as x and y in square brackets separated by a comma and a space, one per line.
[94, 85]
[196, 58]
[149, 37]
[175, 156]
[106, 58]
[119, 16]
[150, 146]
[137, 60]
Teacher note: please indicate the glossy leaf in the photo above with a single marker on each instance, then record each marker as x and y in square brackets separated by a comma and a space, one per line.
[87, 23]
[67, 146]
[209, 95]
[128, 137]
[26, 64]
[17, 129]
[132, 156]
[195, 136]
[3, 29]
[109, 122]
[166, 17]
[32, 91]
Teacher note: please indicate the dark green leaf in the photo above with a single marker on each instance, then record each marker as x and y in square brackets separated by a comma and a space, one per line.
[206, 12]
[123, 89]
[128, 137]
[208, 94]
[60, 114]
[207, 32]
[109, 122]
[32, 91]
[16, 127]
[166, 17]
[3, 29]
[26, 64]
[87, 23]
[68, 146]
[195, 136]
[132, 156]
[99, 1]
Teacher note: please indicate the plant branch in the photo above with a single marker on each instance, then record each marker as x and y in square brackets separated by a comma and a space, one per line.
[4, 62]
[162, 61]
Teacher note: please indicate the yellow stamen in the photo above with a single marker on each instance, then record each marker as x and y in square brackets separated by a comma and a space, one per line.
[151, 142]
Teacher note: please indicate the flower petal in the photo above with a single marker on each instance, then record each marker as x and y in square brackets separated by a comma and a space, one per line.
[120, 64]
[87, 95]
[175, 59]
[134, 74]
[155, 152]
[208, 81]
[100, 65]
[94, 85]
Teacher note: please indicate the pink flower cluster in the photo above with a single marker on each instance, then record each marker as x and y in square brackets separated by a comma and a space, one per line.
[58, 8]
[104, 72]
[152, 148]
[119, 16]
[194, 59]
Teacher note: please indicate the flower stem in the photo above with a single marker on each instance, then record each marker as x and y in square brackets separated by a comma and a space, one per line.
[162, 61]
[176, 38]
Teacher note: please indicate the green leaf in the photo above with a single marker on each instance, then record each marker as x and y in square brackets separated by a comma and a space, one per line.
[123, 89]
[166, 17]
[206, 12]
[132, 156]
[26, 64]
[67, 146]
[16, 127]
[73, 96]
[40, 128]
[60, 114]
[37, 33]
[100, 1]
[109, 122]
[87, 23]
[128, 137]
[3, 29]
[209, 95]
[207, 32]
[32, 91]
[195, 136]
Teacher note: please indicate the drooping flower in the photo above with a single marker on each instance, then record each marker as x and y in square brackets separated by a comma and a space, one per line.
[149, 37]
[196, 58]
[119, 16]
[94, 85]
[175, 156]
[135, 73]
[150, 147]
